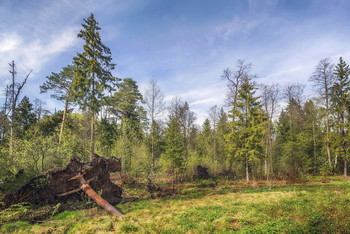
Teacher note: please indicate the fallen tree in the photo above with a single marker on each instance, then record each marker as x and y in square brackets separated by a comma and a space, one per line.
[71, 183]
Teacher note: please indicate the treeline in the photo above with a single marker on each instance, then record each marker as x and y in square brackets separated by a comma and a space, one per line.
[264, 131]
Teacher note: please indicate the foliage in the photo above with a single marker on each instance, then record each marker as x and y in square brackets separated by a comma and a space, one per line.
[93, 67]
[243, 142]
[60, 83]
[173, 158]
[251, 140]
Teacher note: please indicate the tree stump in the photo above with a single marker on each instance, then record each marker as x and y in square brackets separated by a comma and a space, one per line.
[202, 172]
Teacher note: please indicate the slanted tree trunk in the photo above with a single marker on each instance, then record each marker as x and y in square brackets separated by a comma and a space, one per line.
[97, 198]
[65, 111]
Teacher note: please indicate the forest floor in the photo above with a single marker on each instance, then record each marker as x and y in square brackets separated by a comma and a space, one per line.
[313, 205]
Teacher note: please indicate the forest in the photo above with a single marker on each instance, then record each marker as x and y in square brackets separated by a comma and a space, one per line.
[265, 132]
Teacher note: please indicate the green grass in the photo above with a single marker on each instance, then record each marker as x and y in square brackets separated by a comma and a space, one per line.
[312, 207]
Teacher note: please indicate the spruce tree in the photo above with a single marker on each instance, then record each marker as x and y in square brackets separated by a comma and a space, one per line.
[222, 129]
[93, 72]
[25, 117]
[341, 106]
[247, 127]
[205, 145]
[174, 153]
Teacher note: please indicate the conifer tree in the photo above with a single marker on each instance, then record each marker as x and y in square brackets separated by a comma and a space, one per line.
[25, 117]
[313, 138]
[174, 154]
[61, 85]
[128, 101]
[127, 105]
[93, 72]
[205, 145]
[341, 106]
[245, 138]
[222, 129]
[290, 144]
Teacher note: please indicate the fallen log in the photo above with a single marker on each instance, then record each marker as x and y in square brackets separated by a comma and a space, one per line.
[84, 185]
[71, 183]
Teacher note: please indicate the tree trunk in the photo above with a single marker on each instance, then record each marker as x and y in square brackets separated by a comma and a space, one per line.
[327, 138]
[63, 121]
[271, 159]
[97, 198]
[93, 108]
[92, 135]
[345, 168]
[13, 107]
[266, 158]
[247, 170]
[314, 141]
[152, 146]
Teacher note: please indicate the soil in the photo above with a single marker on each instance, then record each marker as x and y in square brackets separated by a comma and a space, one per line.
[47, 188]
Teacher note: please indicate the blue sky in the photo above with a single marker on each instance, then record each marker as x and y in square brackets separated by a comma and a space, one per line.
[184, 45]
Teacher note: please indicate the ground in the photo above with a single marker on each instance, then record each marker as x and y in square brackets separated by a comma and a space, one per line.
[314, 205]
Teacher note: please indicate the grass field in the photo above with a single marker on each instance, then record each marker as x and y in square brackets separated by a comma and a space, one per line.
[317, 205]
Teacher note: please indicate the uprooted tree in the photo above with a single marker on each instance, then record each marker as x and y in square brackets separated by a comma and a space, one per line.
[62, 184]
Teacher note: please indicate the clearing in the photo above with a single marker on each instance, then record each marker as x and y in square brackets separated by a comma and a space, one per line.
[314, 205]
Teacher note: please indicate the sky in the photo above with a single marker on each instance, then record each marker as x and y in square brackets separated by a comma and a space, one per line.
[184, 45]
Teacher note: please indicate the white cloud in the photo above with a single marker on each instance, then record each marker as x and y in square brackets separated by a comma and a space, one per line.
[282, 48]
[9, 42]
[34, 54]
[235, 27]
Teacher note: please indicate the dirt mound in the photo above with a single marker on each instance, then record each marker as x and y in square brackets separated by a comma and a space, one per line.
[57, 185]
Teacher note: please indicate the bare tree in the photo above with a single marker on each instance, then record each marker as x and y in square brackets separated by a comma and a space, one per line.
[14, 92]
[214, 116]
[40, 108]
[323, 79]
[155, 105]
[294, 93]
[4, 115]
[154, 100]
[270, 96]
[235, 79]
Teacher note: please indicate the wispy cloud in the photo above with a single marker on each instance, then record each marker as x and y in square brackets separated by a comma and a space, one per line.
[234, 28]
[33, 54]
[182, 46]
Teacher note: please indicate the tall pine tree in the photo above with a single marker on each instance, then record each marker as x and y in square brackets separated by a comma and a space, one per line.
[93, 72]
[341, 105]
[247, 128]
[61, 85]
